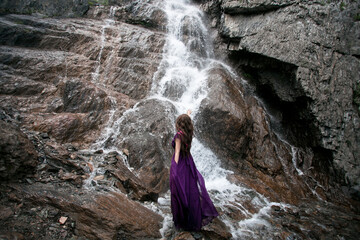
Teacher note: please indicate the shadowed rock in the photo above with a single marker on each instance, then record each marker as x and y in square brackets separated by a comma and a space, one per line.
[301, 59]
[17, 153]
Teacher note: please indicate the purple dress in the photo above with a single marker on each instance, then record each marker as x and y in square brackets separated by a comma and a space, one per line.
[190, 203]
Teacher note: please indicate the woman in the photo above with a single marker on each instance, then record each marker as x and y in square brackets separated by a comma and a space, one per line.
[190, 203]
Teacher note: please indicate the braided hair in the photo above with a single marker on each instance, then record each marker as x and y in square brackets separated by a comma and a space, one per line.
[185, 129]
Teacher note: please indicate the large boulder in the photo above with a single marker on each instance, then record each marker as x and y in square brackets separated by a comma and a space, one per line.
[237, 128]
[147, 135]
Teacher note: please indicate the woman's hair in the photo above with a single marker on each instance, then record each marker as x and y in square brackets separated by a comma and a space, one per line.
[185, 127]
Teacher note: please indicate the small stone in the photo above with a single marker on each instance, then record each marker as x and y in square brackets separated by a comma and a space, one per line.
[100, 151]
[85, 176]
[70, 147]
[100, 177]
[91, 167]
[43, 167]
[275, 208]
[62, 220]
[113, 153]
[52, 229]
[126, 152]
[29, 181]
[73, 156]
[184, 236]
[44, 135]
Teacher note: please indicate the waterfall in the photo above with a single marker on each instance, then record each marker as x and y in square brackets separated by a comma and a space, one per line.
[96, 162]
[182, 80]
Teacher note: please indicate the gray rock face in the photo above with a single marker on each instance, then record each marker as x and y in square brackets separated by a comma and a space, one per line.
[254, 6]
[148, 138]
[300, 55]
[66, 8]
[232, 122]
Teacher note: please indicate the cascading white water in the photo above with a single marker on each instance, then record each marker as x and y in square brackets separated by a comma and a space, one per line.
[183, 82]
[96, 162]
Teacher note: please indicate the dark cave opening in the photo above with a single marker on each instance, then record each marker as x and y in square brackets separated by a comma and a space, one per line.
[274, 83]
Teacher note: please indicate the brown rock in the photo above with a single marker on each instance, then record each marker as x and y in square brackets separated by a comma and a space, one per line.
[62, 220]
[148, 140]
[131, 184]
[216, 230]
[126, 152]
[97, 216]
[12, 236]
[99, 177]
[17, 154]
[184, 236]
[91, 167]
[5, 212]
[237, 128]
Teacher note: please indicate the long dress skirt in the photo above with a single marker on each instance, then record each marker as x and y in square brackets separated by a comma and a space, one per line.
[190, 202]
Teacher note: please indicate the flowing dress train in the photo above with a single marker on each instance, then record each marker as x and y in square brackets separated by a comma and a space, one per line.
[191, 205]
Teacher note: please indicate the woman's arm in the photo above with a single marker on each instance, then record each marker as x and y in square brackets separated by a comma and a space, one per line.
[177, 149]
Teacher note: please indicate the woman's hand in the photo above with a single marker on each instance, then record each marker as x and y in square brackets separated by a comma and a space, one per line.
[188, 112]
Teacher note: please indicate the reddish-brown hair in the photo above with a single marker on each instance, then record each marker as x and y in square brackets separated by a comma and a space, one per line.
[184, 124]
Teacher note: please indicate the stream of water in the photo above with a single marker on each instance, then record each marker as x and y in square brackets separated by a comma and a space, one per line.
[187, 59]
[182, 80]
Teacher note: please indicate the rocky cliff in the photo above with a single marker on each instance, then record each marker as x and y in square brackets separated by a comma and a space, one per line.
[302, 60]
[83, 137]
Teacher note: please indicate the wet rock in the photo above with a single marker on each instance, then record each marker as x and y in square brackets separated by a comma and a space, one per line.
[237, 128]
[129, 183]
[66, 8]
[98, 216]
[6, 212]
[18, 156]
[216, 230]
[100, 151]
[281, 43]
[12, 235]
[70, 176]
[99, 177]
[229, 109]
[64, 74]
[145, 14]
[246, 7]
[148, 140]
[184, 236]
[126, 152]
[62, 220]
